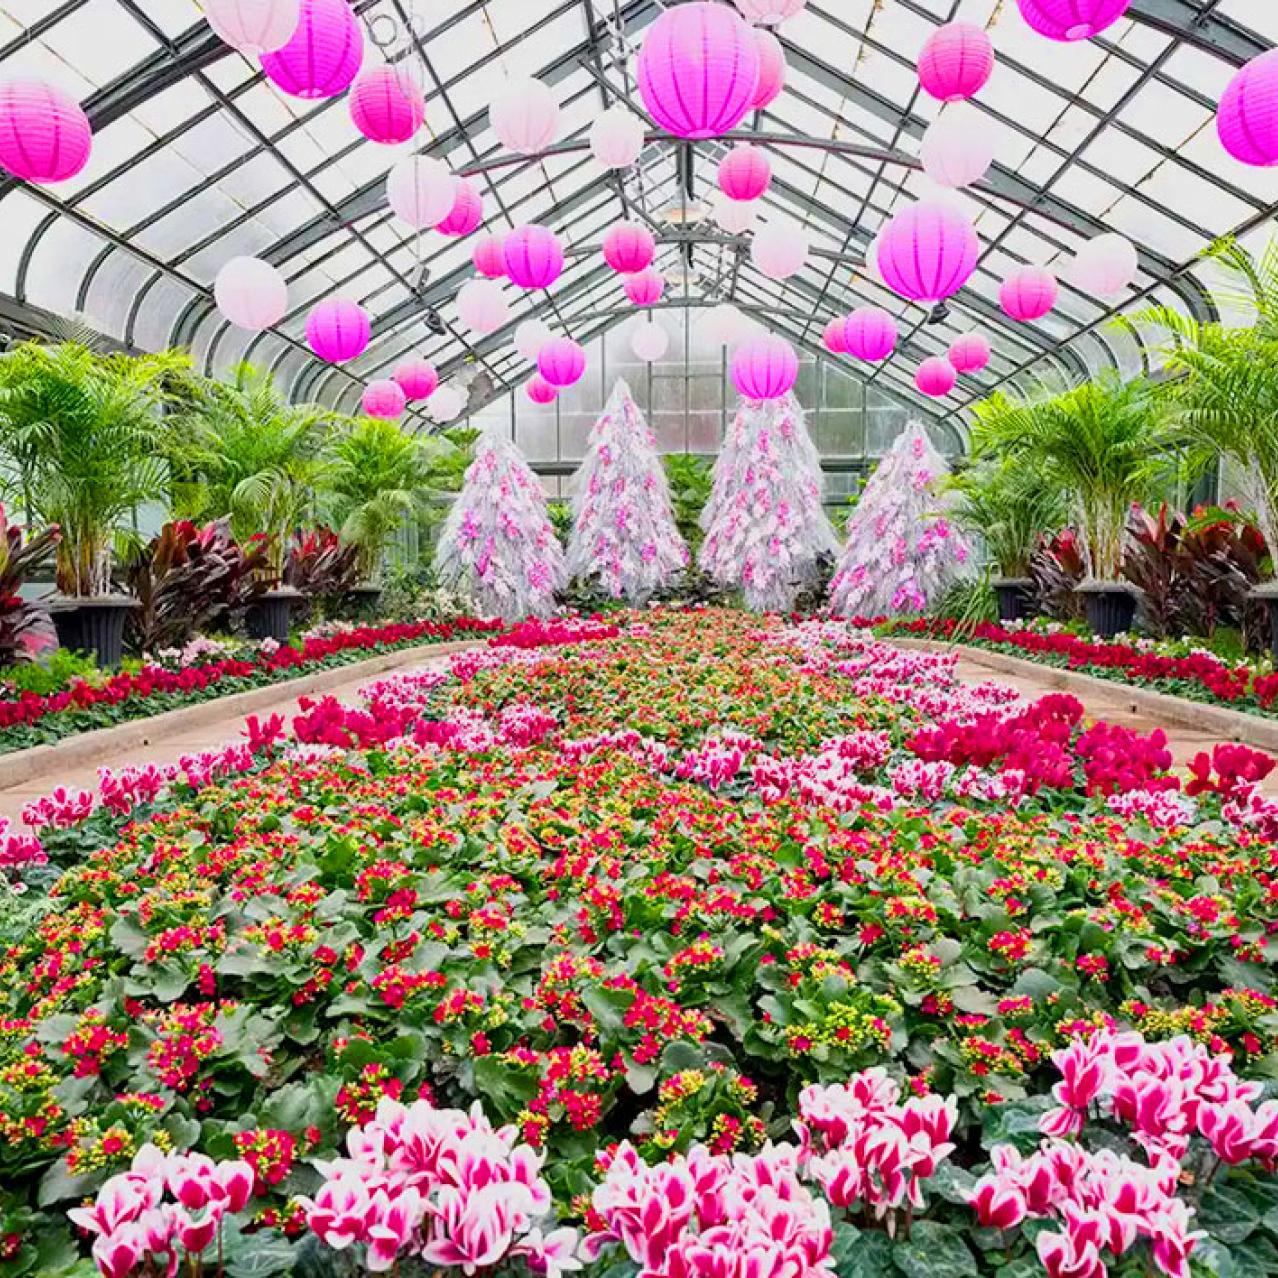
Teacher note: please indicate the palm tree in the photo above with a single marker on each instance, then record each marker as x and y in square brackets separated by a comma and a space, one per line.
[1009, 506]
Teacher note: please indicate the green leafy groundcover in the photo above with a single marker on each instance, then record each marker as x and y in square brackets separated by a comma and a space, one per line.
[583, 897]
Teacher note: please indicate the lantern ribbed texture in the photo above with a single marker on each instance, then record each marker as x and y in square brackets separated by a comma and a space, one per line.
[744, 173]
[769, 11]
[44, 133]
[421, 191]
[384, 398]
[539, 390]
[936, 376]
[482, 306]
[561, 362]
[956, 61]
[771, 69]
[251, 293]
[698, 70]
[870, 333]
[644, 288]
[525, 116]
[386, 106]
[417, 378]
[489, 257]
[958, 147]
[253, 26]
[534, 256]
[616, 138]
[629, 248]
[338, 329]
[467, 214]
[1071, 19]
[764, 367]
[324, 55]
[928, 251]
[649, 342]
[1028, 294]
[1247, 120]
[969, 353]
[833, 336]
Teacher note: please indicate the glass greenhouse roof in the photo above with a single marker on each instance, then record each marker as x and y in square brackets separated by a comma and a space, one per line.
[199, 159]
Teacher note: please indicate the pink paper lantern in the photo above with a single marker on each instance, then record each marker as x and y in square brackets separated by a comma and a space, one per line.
[928, 251]
[698, 70]
[1028, 294]
[1247, 120]
[385, 399]
[482, 306]
[1071, 19]
[644, 288]
[253, 26]
[616, 138]
[870, 333]
[562, 362]
[467, 214]
[769, 12]
[421, 191]
[417, 379]
[779, 249]
[338, 329]
[539, 390]
[489, 257]
[534, 256]
[833, 337]
[936, 377]
[324, 55]
[771, 69]
[629, 248]
[956, 61]
[44, 134]
[764, 367]
[525, 116]
[252, 294]
[958, 147]
[386, 106]
[744, 173]
[969, 353]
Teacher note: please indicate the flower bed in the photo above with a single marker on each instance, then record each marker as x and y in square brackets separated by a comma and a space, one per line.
[675, 889]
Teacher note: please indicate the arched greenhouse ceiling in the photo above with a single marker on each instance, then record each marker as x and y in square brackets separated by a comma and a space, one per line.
[198, 159]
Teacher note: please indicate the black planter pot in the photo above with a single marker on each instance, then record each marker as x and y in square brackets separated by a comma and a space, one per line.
[362, 601]
[95, 625]
[1268, 596]
[1015, 598]
[1111, 607]
[270, 616]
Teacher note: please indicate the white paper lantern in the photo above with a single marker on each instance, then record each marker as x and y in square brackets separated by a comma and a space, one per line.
[871, 267]
[254, 26]
[616, 138]
[525, 116]
[445, 405]
[482, 306]
[958, 147]
[779, 249]
[1105, 266]
[723, 325]
[649, 341]
[421, 191]
[769, 12]
[251, 293]
[734, 217]
[531, 336]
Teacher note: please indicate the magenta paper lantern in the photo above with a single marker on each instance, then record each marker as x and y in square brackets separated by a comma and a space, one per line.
[764, 367]
[44, 133]
[956, 61]
[1028, 294]
[771, 69]
[1247, 120]
[561, 362]
[489, 257]
[629, 248]
[969, 353]
[936, 376]
[384, 398]
[417, 378]
[833, 337]
[467, 214]
[870, 333]
[1071, 19]
[253, 26]
[928, 251]
[534, 256]
[324, 55]
[386, 106]
[251, 293]
[539, 390]
[644, 288]
[699, 70]
[744, 173]
[338, 329]
[525, 116]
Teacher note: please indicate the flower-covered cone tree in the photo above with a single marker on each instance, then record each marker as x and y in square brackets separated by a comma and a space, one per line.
[497, 543]
[902, 551]
[624, 534]
[765, 525]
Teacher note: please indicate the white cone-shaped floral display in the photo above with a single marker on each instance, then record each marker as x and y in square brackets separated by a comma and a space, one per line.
[765, 524]
[624, 535]
[497, 544]
[902, 552]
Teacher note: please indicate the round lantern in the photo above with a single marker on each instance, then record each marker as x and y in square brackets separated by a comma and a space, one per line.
[732, 216]
[723, 325]
[525, 117]
[769, 12]
[251, 293]
[616, 138]
[1105, 265]
[629, 248]
[253, 26]
[489, 257]
[958, 147]
[385, 399]
[416, 378]
[446, 404]
[467, 214]
[936, 376]
[698, 70]
[44, 133]
[870, 333]
[956, 61]
[744, 173]
[482, 306]
[386, 106]
[1028, 294]
[779, 249]
[871, 265]
[561, 362]
[928, 251]
[833, 337]
[1247, 120]
[649, 342]
[421, 191]
[534, 256]
[338, 329]
[540, 391]
[771, 69]
[645, 287]
[969, 353]
[323, 55]
[530, 337]
[1071, 19]
[764, 367]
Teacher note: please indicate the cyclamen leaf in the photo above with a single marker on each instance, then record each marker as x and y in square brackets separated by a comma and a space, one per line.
[934, 1251]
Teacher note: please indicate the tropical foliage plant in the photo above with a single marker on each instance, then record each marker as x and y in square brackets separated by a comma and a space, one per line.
[1009, 507]
[26, 630]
